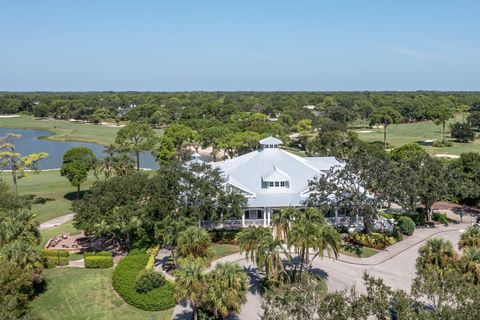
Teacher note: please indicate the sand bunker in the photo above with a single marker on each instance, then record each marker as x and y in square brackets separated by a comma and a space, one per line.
[9, 116]
[444, 155]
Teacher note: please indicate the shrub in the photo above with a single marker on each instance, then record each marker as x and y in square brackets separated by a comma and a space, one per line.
[55, 257]
[406, 225]
[147, 280]
[98, 253]
[462, 132]
[152, 253]
[124, 280]
[98, 262]
[441, 144]
[440, 217]
[374, 240]
[224, 236]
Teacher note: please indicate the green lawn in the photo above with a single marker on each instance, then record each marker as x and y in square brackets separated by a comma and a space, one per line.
[55, 231]
[399, 134]
[66, 130]
[222, 250]
[77, 293]
[358, 251]
[51, 188]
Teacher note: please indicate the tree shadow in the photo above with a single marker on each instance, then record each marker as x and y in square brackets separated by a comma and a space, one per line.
[41, 200]
[73, 195]
[253, 279]
[319, 272]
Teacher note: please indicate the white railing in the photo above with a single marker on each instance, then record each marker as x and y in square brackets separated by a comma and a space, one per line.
[254, 222]
[232, 223]
[345, 221]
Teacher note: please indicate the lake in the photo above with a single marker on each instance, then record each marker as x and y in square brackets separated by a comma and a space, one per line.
[30, 143]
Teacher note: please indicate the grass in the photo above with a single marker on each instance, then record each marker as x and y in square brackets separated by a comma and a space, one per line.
[66, 130]
[400, 134]
[358, 251]
[54, 191]
[77, 293]
[222, 250]
[47, 234]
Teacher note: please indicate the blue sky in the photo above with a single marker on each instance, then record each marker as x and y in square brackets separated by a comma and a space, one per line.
[239, 45]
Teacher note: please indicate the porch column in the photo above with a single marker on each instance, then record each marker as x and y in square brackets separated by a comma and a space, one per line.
[243, 219]
[336, 216]
[269, 212]
[265, 217]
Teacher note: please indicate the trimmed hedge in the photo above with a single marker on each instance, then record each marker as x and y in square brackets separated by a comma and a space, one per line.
[124, 280]
[98, 262]
[55, 257]
[98, 253]
[406, 225]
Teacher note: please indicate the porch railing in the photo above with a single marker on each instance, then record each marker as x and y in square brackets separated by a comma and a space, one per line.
[345, 221]
[232, 223]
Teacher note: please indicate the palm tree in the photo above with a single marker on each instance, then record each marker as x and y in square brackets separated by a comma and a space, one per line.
[470, 238]
[437, 253]
[263, 250]
[281, 222]
[227, 289]
[303, 236]
[194, 242]
[249, 241]
[309, 231]
[191, 284]
[470, 264]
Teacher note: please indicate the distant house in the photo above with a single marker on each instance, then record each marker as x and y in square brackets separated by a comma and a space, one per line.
[271, 179]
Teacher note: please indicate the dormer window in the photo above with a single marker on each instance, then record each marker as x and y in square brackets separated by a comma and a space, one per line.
[275, 178]
[270, 143]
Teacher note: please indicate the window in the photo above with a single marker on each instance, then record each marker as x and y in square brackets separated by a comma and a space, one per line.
[277, 184]
[282, 183]
[271, 184]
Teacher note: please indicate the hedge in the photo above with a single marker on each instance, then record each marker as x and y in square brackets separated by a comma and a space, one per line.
[124, 279]
[98, 262]
[55, 257]
[98, 253]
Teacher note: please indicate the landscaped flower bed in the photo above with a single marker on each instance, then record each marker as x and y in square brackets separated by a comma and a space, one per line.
[124, 281]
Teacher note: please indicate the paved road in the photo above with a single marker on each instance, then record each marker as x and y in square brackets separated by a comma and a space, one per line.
[56, 221]
[395, 266]
[397, 272]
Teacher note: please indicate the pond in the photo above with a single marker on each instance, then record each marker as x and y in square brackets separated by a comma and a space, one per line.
[30, 143]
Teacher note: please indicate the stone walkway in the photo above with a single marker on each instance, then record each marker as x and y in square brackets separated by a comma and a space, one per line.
[56, 221]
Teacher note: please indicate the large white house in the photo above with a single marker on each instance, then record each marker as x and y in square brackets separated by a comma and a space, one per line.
[272, 178]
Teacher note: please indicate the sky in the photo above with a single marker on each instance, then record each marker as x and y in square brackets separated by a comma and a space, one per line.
[241, 45]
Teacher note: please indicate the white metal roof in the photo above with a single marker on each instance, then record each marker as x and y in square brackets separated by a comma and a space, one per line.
[273, 164]
[271, 140]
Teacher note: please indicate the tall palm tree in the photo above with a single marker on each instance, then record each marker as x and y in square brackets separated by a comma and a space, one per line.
[470, 264]
[281, 222]
[437, 253]
[263, 250]
[309, 231]
[470, 238]
[194, 242]
[191, 284]
[249, 240]
[227, 289]
[303, 237]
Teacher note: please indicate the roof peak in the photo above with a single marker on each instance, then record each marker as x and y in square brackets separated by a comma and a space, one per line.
[270, 141]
